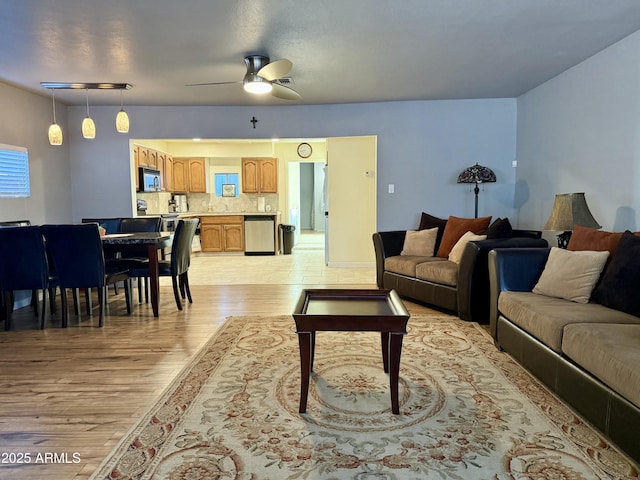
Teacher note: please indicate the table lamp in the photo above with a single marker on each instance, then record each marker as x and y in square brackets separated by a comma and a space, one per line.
[569, 210]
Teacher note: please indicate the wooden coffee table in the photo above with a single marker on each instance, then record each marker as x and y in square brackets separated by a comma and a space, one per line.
[345, 310]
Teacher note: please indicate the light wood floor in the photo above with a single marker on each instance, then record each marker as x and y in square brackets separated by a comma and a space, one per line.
[78, 390]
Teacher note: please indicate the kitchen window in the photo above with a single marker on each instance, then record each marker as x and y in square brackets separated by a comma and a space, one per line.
[226, 179]
[14, 172]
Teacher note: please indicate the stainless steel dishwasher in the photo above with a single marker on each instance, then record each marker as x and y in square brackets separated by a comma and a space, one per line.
[259, 235]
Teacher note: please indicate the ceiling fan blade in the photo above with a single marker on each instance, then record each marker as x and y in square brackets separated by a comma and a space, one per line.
[286, 93]
[275, 70]
[210, 83]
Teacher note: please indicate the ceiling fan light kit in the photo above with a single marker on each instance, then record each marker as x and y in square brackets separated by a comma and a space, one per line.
[262, 77]
[254, 84]
[88, 125]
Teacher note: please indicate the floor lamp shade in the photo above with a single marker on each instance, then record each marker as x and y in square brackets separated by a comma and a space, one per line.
[477, 174]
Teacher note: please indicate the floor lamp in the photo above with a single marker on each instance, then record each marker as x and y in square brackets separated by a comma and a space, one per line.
[477, 174]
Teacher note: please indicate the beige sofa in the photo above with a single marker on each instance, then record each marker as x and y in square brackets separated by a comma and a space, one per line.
[461, 286]
[588, 353]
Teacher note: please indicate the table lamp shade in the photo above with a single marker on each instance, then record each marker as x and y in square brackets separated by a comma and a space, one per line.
[569, 210]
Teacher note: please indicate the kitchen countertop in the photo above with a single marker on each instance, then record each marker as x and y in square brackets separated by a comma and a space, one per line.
[222, 214]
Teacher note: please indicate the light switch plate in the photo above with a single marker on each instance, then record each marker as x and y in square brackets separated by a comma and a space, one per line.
[392, 188]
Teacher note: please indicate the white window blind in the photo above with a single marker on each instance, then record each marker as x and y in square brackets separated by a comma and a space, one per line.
[14, 171]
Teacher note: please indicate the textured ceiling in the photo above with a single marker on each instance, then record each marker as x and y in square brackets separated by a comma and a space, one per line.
[343, 51]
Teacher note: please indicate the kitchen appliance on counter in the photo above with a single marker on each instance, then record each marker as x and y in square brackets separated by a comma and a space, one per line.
[259, 235]
[141, 206]
[149, 180]
[180, 202]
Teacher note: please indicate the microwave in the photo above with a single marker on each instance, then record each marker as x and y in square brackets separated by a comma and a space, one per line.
[149, 180]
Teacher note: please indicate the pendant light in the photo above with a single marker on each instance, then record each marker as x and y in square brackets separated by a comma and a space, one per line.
[122, 119]
[88, 127]
[55, 132]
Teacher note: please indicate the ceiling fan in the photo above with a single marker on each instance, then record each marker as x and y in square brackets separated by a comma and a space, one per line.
[262, 77]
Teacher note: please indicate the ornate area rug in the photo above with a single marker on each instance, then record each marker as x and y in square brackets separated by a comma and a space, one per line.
[467, 412]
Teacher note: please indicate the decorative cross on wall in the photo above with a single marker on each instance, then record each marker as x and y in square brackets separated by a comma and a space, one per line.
[254, 120]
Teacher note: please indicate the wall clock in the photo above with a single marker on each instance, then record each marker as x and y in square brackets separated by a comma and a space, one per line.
[304, 150]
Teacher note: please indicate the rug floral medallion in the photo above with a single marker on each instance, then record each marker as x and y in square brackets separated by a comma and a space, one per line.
[467, 411]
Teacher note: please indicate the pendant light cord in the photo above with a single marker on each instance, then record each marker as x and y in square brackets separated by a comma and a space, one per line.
[53, 96]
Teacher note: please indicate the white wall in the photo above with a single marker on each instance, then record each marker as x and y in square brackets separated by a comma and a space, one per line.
[422, 146]
[580, 132]
[24, 121]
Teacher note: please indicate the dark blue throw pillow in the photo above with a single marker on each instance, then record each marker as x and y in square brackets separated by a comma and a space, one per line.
[620, 283]
[500, 228]
[429, 221]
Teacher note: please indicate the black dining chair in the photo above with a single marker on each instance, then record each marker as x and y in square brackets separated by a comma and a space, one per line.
[15, 223]
[78, 258]
[136, 256]
[111, 225]
[177, 268]
[24, 266]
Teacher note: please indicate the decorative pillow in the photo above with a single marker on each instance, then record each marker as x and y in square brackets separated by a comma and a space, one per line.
[456, 252]
[571, 275]
[429, 221]
[456, 227]
[585, 238]
[420, 242]
[620, 285]
[500, 228]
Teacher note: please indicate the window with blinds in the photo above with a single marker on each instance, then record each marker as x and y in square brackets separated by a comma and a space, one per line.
[14, 171]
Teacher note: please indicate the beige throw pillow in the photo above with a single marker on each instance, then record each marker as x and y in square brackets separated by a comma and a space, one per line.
[571, 275]
[455, 255]
[420, 242]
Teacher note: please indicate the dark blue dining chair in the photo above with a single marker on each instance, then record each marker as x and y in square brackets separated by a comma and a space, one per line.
[177, 268]
[78, 258]
[24, 266]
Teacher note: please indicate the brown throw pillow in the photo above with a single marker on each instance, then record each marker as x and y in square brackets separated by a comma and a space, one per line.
[456, 228]
[429, 221]
[584, 238]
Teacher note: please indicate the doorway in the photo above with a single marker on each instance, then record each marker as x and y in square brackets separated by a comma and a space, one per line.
[307, 204]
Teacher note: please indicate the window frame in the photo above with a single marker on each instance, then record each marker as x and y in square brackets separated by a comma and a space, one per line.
[15, 180]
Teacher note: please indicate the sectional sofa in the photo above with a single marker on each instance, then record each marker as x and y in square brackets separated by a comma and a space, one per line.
[573, 320]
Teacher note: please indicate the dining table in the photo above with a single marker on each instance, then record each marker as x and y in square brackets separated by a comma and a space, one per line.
[154, 241]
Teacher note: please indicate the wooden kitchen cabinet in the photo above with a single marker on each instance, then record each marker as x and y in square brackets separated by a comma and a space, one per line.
[168, 172]
[189, 175]
[142, 155]
[152, 156]
[260, 175]
[197, 175]
[180, 175]
[224, 233]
